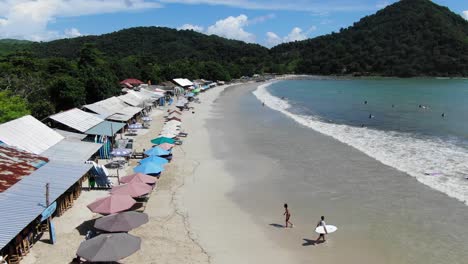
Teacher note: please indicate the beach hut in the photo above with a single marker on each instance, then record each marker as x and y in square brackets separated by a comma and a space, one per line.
[131, 82]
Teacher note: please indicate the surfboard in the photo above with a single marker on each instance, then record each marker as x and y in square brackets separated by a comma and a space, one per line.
[330, 229]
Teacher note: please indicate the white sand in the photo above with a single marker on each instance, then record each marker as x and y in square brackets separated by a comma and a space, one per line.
[227, 233]
[165, 238]
[191, 219]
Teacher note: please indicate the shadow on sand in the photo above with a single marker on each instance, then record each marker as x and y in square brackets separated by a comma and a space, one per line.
[309, 242]
[277, 225]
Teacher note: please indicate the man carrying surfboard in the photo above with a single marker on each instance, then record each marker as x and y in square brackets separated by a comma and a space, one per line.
[322, 223]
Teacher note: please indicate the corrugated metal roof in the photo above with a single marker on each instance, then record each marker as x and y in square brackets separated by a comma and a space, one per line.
[72, 151]
[183, 82]
[147, 95]
[106, 128]
[15, 164]
[119, 117]
[25, 201]
[28, 133]
[101, 111]
[113, 105]
[77, 119]
[131, 99]
[70, 135]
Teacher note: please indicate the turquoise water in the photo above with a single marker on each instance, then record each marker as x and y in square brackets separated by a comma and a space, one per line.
[419, 126]
[394, 103]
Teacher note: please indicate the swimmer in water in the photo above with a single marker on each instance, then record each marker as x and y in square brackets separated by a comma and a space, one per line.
[443, 114]
[371, 116]
[263, 103]
[365, 102]
[393, 105]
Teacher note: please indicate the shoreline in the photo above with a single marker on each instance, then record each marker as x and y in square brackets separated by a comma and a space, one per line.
[234, 212]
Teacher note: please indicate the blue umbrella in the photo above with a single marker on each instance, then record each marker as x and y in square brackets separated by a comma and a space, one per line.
[149, 168]
[154, 159]
[157, 151]
[190, 95]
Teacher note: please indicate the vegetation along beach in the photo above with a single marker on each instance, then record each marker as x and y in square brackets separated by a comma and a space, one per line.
[150, 131]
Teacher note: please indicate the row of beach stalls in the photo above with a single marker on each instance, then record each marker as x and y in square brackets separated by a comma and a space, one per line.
[122, 210]
[43, 164]
[41, 175]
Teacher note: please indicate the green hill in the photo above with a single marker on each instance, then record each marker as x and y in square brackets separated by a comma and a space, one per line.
[408, 38]
[162, 45]
[11, 45]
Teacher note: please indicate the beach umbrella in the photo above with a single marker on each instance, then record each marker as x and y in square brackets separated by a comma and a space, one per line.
[112, 204]
[180, 104]
[135, 126]
[173, 115]
[121, 222]
[134, 189]
[154, 159]
[109, 247]
[139, 177]
[161, 140]
[157, 151]
[173, 123]
[196, 90]
[146, 118]
[120, 152]
[149, 168]
[169, 135]
[166, 146]
[174, 119]
[175, 112]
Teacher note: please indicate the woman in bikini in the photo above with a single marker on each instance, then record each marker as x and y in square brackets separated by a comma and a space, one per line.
[288, 215]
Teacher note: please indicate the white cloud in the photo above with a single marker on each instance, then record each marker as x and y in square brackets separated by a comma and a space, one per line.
[232, 28]
[273, 39]
[29, 19]
[191, 27]
[72, 33]
[465, 14]
[261, 19]
[296, 5]
[382, 4]
[296, 34]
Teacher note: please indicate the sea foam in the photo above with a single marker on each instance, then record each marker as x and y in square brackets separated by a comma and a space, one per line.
[406, 152]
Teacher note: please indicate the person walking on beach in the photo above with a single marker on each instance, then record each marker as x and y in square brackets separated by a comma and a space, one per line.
[322, 223]
[288, 215]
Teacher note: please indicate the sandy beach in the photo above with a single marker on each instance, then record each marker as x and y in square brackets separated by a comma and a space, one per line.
[220, 200]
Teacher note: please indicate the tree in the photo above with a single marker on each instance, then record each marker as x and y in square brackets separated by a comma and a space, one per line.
[99, 81]
[11, 107]
[67, 92]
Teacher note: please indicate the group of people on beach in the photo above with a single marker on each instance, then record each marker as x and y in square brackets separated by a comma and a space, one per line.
[321, 222]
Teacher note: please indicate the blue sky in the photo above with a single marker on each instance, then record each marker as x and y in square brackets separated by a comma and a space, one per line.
[267, 22]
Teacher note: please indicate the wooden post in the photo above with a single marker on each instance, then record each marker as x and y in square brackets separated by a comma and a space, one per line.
[47, 195]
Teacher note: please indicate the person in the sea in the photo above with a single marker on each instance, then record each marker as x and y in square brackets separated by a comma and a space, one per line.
[287, 214]
[365, 102]
[322, 223]
[263, 103]
[443, 114]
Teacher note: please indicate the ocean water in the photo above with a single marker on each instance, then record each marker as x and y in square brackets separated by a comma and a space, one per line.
[418, 126]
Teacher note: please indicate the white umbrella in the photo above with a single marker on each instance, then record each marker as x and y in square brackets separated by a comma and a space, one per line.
[173, 122]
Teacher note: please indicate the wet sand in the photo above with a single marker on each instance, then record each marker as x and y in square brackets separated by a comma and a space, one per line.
[259, 159]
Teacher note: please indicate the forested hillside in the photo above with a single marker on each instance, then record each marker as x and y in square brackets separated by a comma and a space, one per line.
[408, 38]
